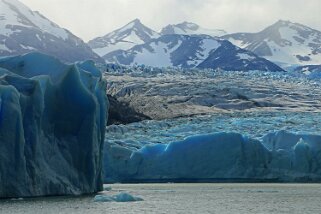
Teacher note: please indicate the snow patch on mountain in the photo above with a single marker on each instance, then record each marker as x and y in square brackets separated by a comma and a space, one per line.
[4, 47]
[188, 28]
[123, 45]
[245, 56]
[206, 47]
[14, 13]
[160, 55]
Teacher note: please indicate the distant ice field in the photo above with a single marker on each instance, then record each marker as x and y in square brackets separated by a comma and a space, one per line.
[252, 124]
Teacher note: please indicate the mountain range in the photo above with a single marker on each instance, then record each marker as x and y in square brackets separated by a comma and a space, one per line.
[136, 33]
[191, 51]
[284, 43]
[186, 45]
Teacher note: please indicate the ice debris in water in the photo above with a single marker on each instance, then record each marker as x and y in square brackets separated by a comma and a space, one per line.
[121, 197]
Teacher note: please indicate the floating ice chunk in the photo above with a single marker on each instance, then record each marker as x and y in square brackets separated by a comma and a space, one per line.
[125, 197]
[103, 198]
[121, 197]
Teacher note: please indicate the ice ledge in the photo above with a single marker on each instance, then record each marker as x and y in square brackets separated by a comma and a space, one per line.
[220, 157]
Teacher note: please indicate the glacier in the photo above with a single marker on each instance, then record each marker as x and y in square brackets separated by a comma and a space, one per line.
[52, 127]
[212, 125]
[279, 157]
[172, 93]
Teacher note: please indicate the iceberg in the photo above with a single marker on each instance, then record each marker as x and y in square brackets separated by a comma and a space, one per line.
[52, 127]
[121, 197]
[278, 157]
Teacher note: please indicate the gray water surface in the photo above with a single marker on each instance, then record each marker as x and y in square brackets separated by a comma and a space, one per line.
[184, 198]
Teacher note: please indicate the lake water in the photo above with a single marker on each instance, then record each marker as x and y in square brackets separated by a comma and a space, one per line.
[184, 198]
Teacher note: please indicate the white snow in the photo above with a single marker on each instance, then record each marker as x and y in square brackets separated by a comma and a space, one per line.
[27, 47]
[38, 37]
[133, 38]
[3, 47]
[298, 48]
[159, 57]
[245, 56]
[122, 45]
[193, 29]
[210, 44]
[178, 30]
[281, 54]
[34, 19]
[207, 46]
[238, 43]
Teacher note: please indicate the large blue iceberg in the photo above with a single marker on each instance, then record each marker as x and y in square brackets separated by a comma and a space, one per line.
[278, 157]
[52, 127]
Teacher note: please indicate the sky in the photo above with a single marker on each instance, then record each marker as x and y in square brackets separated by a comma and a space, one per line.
[92, 18]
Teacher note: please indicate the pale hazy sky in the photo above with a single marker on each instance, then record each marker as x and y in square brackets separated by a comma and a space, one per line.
[91, 18]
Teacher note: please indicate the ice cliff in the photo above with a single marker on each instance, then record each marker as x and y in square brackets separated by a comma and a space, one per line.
[52, 127]
[278, 157]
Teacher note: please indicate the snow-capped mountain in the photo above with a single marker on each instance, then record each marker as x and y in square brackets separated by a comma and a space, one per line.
[196, 51]
[283, 43]
[23, 31]
[188, 28]
[134, 33]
